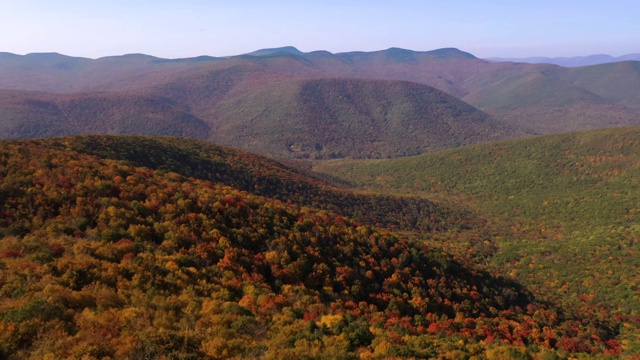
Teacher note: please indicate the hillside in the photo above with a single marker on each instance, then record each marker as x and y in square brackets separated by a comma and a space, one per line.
[265, 177]
[239, 98]
[544, 99]
[569, 202]
[616, 82]
[326, 118]
[337, 118]
[102, 257]
[36, 114]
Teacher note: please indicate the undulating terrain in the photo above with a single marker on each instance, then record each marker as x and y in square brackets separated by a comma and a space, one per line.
[106, 252]
[288, 104]
[568, 203]
[424, 205]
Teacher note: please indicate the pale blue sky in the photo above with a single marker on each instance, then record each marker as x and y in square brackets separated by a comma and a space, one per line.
[187, 28]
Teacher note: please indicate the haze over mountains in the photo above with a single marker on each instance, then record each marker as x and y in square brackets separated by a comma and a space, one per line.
[285, 103]
[573, 61]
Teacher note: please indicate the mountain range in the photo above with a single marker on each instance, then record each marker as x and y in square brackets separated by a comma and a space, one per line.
[283, 205]
[332, 105]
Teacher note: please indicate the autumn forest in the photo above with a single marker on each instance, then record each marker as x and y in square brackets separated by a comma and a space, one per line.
[288, 205]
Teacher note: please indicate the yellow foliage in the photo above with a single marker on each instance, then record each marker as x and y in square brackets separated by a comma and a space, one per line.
[271, 256]
[382, 348]
[505, 352]
[330, 320]
[171, 265]
[216, 348]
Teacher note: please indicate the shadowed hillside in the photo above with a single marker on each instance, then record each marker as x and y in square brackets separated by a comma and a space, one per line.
[30, 114]
[336, 118]
[262, 176]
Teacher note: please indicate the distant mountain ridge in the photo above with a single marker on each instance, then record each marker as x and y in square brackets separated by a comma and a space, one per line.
[242, 100]
[285, 49]
[566, 61]
[572, 61]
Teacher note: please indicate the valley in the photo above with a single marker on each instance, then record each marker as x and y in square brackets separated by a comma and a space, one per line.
[568, 202]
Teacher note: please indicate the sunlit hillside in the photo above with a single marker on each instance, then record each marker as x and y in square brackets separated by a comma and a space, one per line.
[103, 256]
[568, 202]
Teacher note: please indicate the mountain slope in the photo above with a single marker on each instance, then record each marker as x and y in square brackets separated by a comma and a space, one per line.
[261, 110]
[335, 118]
[104, 258]
[265, 177]
[550, 101]
[28, 114]
[616, 82]
[524, 98]
[571, 202]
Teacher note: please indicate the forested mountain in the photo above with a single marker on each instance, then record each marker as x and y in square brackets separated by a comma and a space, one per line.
[236, 100]
[569, 202]
[265, 177]
[105, 251]
[337, 118]
[38, 114]
[173, 247]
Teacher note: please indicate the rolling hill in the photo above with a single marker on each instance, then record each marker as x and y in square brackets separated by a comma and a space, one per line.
[615, 82]
[337, 118]
[37, 114]
[107, 252]
[265, 177]
[238, 95]
[322, 118]
[545, 99]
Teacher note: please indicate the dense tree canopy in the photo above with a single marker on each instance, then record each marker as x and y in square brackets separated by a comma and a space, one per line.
[103, 258]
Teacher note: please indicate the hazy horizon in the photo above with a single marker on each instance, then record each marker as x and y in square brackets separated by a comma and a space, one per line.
[167, 29]
[355, 50]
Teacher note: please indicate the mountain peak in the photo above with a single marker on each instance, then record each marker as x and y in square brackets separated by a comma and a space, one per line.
[7, 55]
[451, 53]
[270, 51]
[50, 56]
[400, 55]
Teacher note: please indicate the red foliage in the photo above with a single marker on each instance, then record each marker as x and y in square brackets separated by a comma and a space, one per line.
[57, 249]
[10, 254]
[613, 347]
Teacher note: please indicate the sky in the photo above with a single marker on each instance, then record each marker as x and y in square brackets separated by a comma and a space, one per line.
[188, 28]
